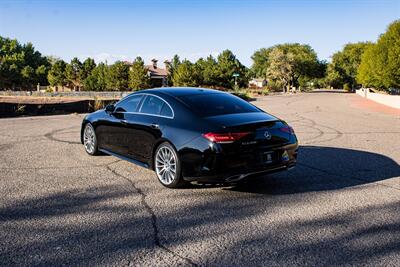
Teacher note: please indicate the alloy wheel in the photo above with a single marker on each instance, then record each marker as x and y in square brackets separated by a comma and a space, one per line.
[166, 165]
[89, 139]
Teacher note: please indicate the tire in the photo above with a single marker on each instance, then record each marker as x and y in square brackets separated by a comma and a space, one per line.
[90, 140]
[167, 166]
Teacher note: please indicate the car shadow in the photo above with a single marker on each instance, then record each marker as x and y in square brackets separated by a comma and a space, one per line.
[324, 168]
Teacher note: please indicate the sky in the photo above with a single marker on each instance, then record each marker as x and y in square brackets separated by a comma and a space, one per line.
[121, 30]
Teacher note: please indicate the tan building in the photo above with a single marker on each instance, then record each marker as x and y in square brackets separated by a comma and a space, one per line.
[257, 83]
[158, 76]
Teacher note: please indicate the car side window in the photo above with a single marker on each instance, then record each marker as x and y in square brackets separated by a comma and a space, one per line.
[130, 104]
[166, 111]
[152, 105]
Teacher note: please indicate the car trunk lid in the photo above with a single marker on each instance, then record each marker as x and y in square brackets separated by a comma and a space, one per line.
[264, 130]
[237, 119]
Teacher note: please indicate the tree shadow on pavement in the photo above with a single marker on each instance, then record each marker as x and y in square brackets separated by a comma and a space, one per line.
[284, 219]
[231, 228]
[74, 227]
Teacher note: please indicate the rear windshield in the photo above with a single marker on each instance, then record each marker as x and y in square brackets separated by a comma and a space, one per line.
[207, 105]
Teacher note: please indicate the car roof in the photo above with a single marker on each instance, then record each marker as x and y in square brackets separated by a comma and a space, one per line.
[181, 91]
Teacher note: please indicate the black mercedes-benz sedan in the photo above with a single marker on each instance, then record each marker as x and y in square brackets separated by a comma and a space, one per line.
[191, 134]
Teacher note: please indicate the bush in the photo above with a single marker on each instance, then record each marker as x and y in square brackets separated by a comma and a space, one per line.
[273, 86]
[346, 87]
[96, 104]
[244, 94]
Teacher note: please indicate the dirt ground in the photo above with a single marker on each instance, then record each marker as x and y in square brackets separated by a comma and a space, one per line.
[43, 100]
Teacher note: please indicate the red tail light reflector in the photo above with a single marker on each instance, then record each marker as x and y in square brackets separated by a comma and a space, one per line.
[287, 129]
[225, 137]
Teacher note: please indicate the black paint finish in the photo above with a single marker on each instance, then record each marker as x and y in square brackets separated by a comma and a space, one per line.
[134, 135]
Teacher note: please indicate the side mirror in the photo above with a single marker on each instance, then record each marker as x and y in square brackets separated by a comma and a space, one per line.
[110, 108]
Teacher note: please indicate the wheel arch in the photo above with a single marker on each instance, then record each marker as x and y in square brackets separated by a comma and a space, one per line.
[84, 122]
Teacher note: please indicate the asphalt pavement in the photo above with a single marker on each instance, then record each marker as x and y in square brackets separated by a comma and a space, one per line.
[339, 206]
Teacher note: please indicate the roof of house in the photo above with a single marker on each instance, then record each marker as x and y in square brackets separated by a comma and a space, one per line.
[257, 80]
[182, 91]
[156, 71]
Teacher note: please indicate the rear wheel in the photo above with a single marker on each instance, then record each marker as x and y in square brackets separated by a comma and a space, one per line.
[167, 166]
[90, 140]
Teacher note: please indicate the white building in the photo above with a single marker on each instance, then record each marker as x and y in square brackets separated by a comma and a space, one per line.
[257, 82]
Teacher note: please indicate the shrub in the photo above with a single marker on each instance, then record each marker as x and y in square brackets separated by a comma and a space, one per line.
[96, 104]
[274, 86]
[20, 109]
[346, 87]
[265, 90]
[244, 94]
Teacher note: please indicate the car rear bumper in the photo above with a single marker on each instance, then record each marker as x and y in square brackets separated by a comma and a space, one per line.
[226, 169]
[233, 178]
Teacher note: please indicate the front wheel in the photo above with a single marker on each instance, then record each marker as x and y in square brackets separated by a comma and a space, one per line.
[90, 140]
[167, 166]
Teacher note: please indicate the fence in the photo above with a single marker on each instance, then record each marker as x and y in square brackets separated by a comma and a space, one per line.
[83, 94]
[388, 100]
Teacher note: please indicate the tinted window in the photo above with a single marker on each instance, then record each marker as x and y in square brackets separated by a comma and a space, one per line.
[152, 105]
[217, 104]
[166, 111]
[129, 104]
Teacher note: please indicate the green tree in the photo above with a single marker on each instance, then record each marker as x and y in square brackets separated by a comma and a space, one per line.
[56, 75]
[390, 43]
[138, 76]
[228, 65]
[97, 79]
[41, 74]
[318, 78]
[18, 64]
[290, 64]
[380, 63]
[186, 74]
[73, 74]
[371, 69]
[35, 67]
[87, 67]
[208, 69]
[28, 76]
[343, 68]
[261, 62]
[281, 67]
[171, 67]
[118, 76]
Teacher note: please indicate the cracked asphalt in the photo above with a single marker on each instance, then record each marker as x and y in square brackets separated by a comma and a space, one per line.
[339, 206]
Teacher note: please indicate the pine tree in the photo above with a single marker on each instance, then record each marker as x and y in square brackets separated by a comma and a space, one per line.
[138, 75]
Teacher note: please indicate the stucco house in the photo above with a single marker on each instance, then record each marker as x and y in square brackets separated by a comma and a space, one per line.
[158, 76]
[257, 82]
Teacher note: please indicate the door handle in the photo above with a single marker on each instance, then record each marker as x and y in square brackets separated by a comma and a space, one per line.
[155, 126]
[124, 121]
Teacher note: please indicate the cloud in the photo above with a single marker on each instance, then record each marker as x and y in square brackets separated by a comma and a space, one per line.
[107, 58]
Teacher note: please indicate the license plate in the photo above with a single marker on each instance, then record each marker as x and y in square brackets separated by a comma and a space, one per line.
[268, 157]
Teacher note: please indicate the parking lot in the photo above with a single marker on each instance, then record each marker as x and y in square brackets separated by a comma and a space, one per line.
[340, 205]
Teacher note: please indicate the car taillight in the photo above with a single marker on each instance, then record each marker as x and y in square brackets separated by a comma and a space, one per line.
[225, 137]
[287, 129]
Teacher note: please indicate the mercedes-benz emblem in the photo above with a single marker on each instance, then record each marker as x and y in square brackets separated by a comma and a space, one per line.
[267, 135]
